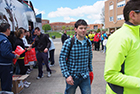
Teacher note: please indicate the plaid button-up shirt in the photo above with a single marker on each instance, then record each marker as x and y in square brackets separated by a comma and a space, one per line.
[79, 62]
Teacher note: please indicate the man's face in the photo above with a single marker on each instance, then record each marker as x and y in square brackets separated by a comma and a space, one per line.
[81, 30]
[8, 31]
[29, 27]
[134, 16]
[65, 32]
[137, 19]
[37, 32]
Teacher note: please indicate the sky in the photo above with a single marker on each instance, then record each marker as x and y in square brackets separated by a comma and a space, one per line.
[69, 10]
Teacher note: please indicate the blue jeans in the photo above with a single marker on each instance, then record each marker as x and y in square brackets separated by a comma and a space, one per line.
[104, 49]
[84, 85]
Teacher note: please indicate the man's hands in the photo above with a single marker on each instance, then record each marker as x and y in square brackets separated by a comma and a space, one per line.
[17, 56]
[70, 80]
[45, 50]
[28, 49]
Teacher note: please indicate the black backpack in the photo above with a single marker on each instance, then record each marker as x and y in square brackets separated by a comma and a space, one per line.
[72, 42]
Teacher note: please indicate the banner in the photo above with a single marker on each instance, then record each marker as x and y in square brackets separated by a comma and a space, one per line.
[19, 50]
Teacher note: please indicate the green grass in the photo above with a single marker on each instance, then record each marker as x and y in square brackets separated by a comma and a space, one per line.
[56, 34]
[70, 32]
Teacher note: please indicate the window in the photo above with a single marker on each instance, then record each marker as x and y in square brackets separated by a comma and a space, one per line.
[110, 19]
[110, 7]
[120, 4]
[120, 17]
[95, 27]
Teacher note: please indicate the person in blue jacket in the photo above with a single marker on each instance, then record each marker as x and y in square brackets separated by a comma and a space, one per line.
[6, 57]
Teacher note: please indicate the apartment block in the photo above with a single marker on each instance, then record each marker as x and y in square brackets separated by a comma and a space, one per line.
[114, 14]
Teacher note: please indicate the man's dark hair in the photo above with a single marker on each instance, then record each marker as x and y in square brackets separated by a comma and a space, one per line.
[37, 28]
[131, 5]
[4, 27]
[80, 22]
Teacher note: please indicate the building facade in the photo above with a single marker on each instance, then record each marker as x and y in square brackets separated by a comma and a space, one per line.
[114, 14]
[58, 26]
[45, 22]
[95, 26]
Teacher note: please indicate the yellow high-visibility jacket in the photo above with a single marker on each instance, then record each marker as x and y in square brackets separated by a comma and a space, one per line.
[122, 64]
[91, 36]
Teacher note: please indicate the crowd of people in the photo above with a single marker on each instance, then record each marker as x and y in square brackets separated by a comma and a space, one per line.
[97, 39]
[40, 49]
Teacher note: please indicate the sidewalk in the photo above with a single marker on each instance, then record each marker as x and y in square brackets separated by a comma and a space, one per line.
[56, 83]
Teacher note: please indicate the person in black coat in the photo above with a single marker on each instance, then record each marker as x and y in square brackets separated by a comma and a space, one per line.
[19, 34]
[42, 43]
[64, 37]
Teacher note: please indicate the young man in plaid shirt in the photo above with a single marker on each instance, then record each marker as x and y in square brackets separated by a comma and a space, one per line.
[79, 63]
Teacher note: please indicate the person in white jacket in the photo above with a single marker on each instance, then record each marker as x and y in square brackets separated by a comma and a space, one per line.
[51, 52]
[104, 44]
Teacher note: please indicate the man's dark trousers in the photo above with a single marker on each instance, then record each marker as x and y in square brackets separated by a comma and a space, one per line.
[51, 52]
[6, 73]
[41, 56]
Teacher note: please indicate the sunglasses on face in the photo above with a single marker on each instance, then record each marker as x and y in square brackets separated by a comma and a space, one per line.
[137, 11]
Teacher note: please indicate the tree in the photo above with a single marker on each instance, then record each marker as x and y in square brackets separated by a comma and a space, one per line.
[67, 28]
[103, 15]
[46, 27]
[98, 30]
[63, 27]
[71, 28]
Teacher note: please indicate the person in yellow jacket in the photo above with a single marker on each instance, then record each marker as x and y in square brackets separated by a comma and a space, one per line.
[122, 64]
[91, 38]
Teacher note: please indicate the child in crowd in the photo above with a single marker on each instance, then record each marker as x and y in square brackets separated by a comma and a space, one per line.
[104, 44]
[51, 52]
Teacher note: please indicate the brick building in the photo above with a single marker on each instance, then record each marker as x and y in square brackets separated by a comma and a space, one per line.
[57, 26]
[45, 22]
[95, 26]
[114, 14]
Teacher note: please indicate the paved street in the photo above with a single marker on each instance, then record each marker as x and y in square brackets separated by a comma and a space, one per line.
[56, 83]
